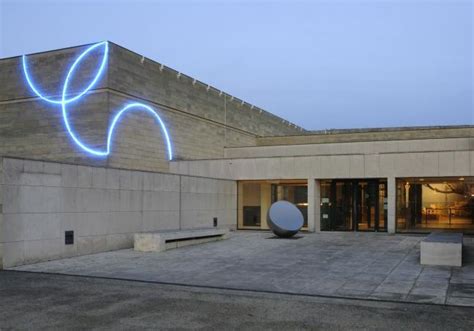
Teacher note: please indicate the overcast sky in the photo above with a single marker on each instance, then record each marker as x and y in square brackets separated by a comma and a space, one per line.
[319, 64]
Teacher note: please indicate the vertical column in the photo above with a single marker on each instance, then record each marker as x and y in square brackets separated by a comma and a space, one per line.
[314, 206]
[180, 206]
[265, 202]
[317, 205]
[391, 204]
[240, 205]
[1, 213]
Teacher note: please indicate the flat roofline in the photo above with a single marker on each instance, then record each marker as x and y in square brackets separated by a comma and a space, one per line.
[52, 50]
[369, 130]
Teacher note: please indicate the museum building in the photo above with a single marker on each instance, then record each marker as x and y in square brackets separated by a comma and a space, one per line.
[98, 143]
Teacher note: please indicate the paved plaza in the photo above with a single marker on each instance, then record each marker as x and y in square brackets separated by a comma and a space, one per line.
[356, 265]
[39, 301]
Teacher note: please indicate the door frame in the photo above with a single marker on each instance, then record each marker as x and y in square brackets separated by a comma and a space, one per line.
[373, 184]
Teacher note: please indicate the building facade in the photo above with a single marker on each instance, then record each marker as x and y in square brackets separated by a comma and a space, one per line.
[102, 142]
[389, 180]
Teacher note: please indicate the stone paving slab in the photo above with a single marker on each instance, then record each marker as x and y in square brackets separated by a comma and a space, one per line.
[362, 265]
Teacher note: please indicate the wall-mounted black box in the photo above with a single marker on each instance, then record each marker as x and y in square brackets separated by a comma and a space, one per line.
[69, 238]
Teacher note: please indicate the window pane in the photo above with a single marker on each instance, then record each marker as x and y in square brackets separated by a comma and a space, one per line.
[251, 204]
[425, 204]
[256, 197]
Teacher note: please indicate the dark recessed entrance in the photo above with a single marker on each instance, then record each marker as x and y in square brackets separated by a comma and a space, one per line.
[354, 205]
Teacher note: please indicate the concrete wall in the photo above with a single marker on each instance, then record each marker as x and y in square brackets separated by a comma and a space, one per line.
[148, 80]
[353, 148]
[201, 120]
[409, 158]
[103, 206]
[451, 157]
[380, 134]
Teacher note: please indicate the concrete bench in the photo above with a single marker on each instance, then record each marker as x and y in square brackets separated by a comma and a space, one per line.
[162, 240]
[442, 248]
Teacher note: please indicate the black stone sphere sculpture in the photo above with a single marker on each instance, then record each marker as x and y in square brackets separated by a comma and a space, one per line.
[284, 219]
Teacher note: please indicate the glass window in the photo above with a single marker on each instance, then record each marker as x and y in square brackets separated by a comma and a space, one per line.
[251, 204]
[354, 204]
[295, 193]
[256, 197]
[326, 206]
[426, 204]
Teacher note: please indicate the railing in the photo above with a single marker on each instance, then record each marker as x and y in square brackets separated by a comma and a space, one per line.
[451, 211]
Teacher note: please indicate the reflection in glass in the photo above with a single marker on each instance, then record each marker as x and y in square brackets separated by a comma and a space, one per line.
[354, 204]
[424, 204]
[251, 204]
[296, 193]
[256, 197]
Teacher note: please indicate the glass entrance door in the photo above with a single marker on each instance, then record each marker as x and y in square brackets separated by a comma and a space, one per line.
[371, 205]
[341, 213]
[348, 205]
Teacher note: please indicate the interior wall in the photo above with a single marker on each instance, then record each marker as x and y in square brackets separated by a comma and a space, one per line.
[431, 197]
[251, 194]
[103, 206]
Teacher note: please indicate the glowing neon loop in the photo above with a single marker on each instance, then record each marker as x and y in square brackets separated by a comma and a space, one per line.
[94, 81]
[64, 101]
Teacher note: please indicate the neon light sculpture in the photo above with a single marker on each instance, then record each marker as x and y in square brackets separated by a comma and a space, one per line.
[66, 99]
